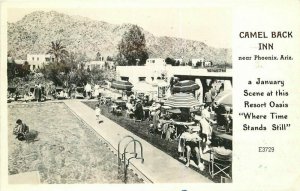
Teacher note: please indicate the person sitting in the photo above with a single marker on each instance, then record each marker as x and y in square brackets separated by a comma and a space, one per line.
[66, 95]
[192, 140]
[21, 130]
[61, 94]
[129, 111]
[26, 97]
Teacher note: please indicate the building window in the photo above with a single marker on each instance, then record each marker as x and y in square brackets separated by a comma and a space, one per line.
[32, 58]
[52, 59]
[141, 79]
[152, 78]
[47, 59]
[124, 78]
[33, 67]
[37, 58]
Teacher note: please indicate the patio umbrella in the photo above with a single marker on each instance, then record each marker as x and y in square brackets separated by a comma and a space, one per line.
[185, 86]
[182, 100]
[224, 98]
[121, 85]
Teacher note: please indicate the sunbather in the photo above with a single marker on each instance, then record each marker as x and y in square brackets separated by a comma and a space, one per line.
[192, 140]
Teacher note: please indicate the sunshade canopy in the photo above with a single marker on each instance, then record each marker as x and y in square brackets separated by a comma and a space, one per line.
[182, 100]
[121, 85]
[185, 86]
[224, 98]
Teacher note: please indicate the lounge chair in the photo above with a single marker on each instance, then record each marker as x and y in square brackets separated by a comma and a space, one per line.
[220, 162]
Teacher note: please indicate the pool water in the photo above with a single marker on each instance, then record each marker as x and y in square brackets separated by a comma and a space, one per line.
[65, 150]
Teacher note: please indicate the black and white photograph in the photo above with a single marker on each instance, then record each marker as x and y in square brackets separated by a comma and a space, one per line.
[119, 95]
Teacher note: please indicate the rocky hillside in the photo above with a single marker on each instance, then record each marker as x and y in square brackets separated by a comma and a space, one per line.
[34, 33]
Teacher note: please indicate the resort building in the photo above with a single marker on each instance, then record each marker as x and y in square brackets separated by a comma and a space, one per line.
[99, 64]
[94, 64]
[37, 61]
[153, 74]
[198, 62]
[155, 62]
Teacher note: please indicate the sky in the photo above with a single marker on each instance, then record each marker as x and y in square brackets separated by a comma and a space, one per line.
[212, 26]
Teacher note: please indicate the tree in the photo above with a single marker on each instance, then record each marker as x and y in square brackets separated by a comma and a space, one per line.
[11, 69]
[26, 69]
[172, 61]
[109, 58]
[58, 50]
[132, 47]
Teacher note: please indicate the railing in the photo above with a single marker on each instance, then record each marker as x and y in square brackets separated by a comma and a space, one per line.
[122, 158]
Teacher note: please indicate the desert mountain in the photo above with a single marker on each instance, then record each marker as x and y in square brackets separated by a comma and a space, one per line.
[35, 31]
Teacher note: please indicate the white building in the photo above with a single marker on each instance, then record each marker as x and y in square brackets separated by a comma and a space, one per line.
[94, 64]
[180, 60]
[155, 62]
[153, 70]
[99, 65]
[200, 62]
[37, 61]
[208, 64]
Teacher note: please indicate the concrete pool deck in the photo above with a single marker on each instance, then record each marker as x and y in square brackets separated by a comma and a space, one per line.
[158, 167]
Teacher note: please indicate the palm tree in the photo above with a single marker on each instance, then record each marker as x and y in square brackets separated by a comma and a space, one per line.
[58, 50]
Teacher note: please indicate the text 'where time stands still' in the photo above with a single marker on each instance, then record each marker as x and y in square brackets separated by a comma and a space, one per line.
[266, 107]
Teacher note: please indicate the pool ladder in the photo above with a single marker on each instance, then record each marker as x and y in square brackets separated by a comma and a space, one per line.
[122, 158]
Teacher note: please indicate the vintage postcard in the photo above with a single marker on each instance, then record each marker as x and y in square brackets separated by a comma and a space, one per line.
[138, 95]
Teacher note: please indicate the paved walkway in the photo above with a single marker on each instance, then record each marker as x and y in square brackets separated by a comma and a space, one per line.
[157, 167]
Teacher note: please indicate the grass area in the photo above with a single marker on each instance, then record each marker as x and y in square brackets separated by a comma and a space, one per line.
[141, 129]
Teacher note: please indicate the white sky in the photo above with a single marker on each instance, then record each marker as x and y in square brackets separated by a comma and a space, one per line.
[212, 26]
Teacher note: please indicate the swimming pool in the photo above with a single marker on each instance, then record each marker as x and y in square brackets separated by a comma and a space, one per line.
[66, 150]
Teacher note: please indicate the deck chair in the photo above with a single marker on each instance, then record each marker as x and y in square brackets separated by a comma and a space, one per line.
[182, 149]
[220, 163]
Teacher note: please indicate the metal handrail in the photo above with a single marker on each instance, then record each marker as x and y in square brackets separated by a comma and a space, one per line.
[123, 155]
[119, 159]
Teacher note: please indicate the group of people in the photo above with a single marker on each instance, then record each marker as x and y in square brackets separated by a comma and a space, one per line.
[35, 93]
[198, 139]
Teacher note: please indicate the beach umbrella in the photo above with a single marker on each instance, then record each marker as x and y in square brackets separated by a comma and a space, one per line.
[181, 100]
[121, 85]
[224, 98]
[185, 86]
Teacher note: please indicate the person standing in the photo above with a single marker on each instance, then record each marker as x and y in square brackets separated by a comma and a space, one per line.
[139, 113]
[98, 114]
[88, 89]
[39, 87]
[36, 93]
[208, 97]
